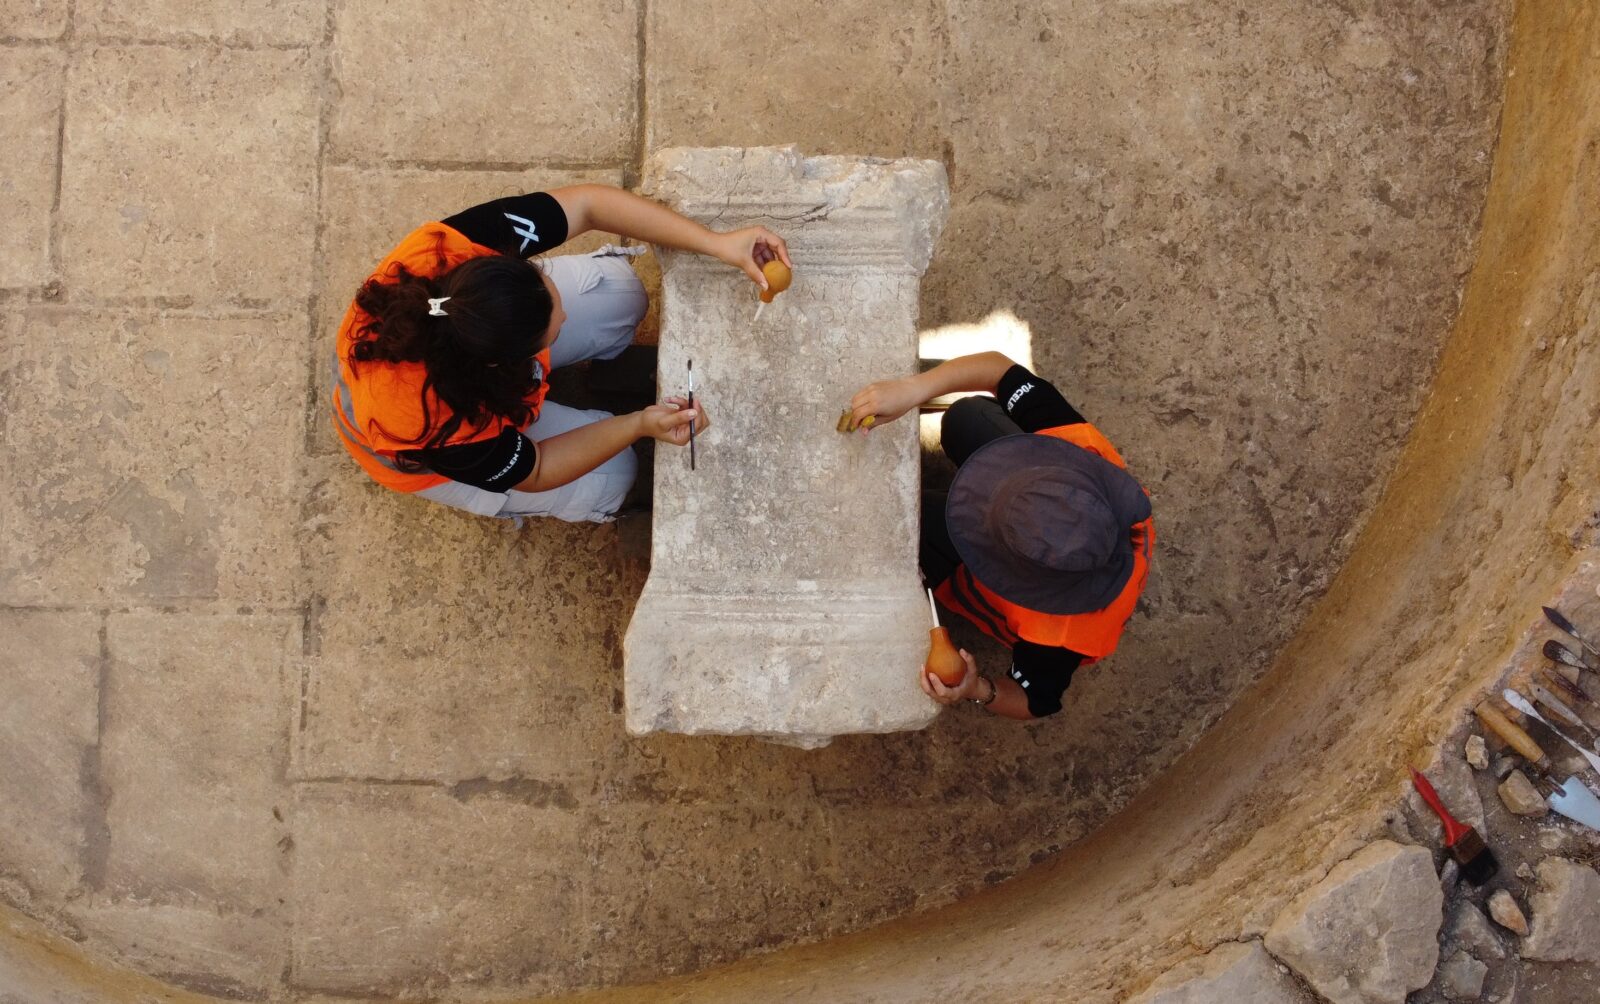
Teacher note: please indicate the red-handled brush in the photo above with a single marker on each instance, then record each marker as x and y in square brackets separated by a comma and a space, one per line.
[1477, 862]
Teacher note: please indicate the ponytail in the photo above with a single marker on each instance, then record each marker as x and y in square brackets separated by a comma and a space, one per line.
[478, 354]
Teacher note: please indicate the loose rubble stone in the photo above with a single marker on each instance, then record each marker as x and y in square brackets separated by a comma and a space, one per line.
[1566, 914]
[1367, 933]
[1505, 911]
[783, 602]
[1233, 973]
[1525, 872]
[1461, 977]
[1457, 790]
[1477, 752]
[1469, 929]
[1521, 797]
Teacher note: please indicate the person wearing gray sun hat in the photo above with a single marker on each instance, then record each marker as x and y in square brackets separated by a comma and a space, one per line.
[1044, 539]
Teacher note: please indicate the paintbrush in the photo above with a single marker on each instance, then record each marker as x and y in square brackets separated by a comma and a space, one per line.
[1557, 652]
[1591, 656]
[691, 424]
[1567, 687]
[1477, 862]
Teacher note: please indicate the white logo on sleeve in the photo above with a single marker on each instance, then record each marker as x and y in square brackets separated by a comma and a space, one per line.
[1016, 395]
[526, 231]
[1016, 674]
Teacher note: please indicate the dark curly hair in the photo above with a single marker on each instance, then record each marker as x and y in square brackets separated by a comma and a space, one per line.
[479, 357]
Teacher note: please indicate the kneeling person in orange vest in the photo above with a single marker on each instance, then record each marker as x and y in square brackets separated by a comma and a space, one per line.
[1043, 540]
[440, 369]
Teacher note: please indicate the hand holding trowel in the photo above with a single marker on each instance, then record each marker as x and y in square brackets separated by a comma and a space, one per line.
[1570, 798]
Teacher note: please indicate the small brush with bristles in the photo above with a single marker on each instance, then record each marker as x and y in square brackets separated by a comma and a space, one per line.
[1591, 655]
[1477, 862]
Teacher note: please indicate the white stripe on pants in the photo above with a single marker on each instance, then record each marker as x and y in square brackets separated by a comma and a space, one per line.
[604, 301]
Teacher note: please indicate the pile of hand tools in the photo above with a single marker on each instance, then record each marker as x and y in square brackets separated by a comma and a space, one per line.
[1548, 700]
[1539, 702]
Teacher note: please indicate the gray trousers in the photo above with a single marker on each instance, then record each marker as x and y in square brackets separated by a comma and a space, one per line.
[604, 301]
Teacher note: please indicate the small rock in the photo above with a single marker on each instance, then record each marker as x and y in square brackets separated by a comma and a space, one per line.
[1477, 752]
[1368, 933]
[1457, 790]
[1449, 875]
[1520, 796]
[1525, 872]
[1505, 911]
[1231, 972]
[1566, 914]
[1469, 930]
[1461, 977]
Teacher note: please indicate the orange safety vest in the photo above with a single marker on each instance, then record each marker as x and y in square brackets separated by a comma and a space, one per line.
[1094, 634]
[377, 407]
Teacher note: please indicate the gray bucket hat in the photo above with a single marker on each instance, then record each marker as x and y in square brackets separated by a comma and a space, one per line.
[1046, 524]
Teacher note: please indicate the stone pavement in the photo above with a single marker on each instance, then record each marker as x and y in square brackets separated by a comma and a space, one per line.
[267, 729]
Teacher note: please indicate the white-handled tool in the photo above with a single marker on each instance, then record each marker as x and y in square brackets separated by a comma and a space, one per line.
[1525, 706]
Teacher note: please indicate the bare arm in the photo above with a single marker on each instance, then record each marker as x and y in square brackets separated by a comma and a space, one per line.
[1009, 699]
[602, 207]
[565, 458]
[887, 400]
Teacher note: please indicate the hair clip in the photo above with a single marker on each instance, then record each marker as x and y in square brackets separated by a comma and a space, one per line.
[436, 307]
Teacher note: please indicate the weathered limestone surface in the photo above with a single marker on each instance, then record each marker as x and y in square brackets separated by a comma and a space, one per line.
[1366, 934]
[784, 598]
[182, 481]
[131, 115]
[30, 112]
[198, 810]
[1232, 973]
[1461, 977]
[423, 93]
[284, 22]
[49, 690]
[754, 72]
[34, 18]
[232, 954]
[1470, 930]
[412, 888]
[1566, 914]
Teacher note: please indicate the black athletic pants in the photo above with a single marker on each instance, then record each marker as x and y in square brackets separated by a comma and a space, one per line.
[970, 422]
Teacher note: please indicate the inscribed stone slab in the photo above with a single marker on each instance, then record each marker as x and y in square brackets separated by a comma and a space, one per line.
[784, 598]
[496, 81]
[34, 18]
[49, 700]
[754, 72]
[366, 211]
[183, 476]
[170, 125]
[30, 113]
[408, 887]
[198, 710]
[278, 22]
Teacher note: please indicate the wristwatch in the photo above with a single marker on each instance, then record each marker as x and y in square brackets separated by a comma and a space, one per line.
[994, 692]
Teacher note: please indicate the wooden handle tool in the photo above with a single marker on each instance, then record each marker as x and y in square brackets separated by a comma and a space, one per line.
[1513, 734]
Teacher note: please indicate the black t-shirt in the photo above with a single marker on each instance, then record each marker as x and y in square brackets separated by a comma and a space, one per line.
[1042, 671]
[521, 225]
